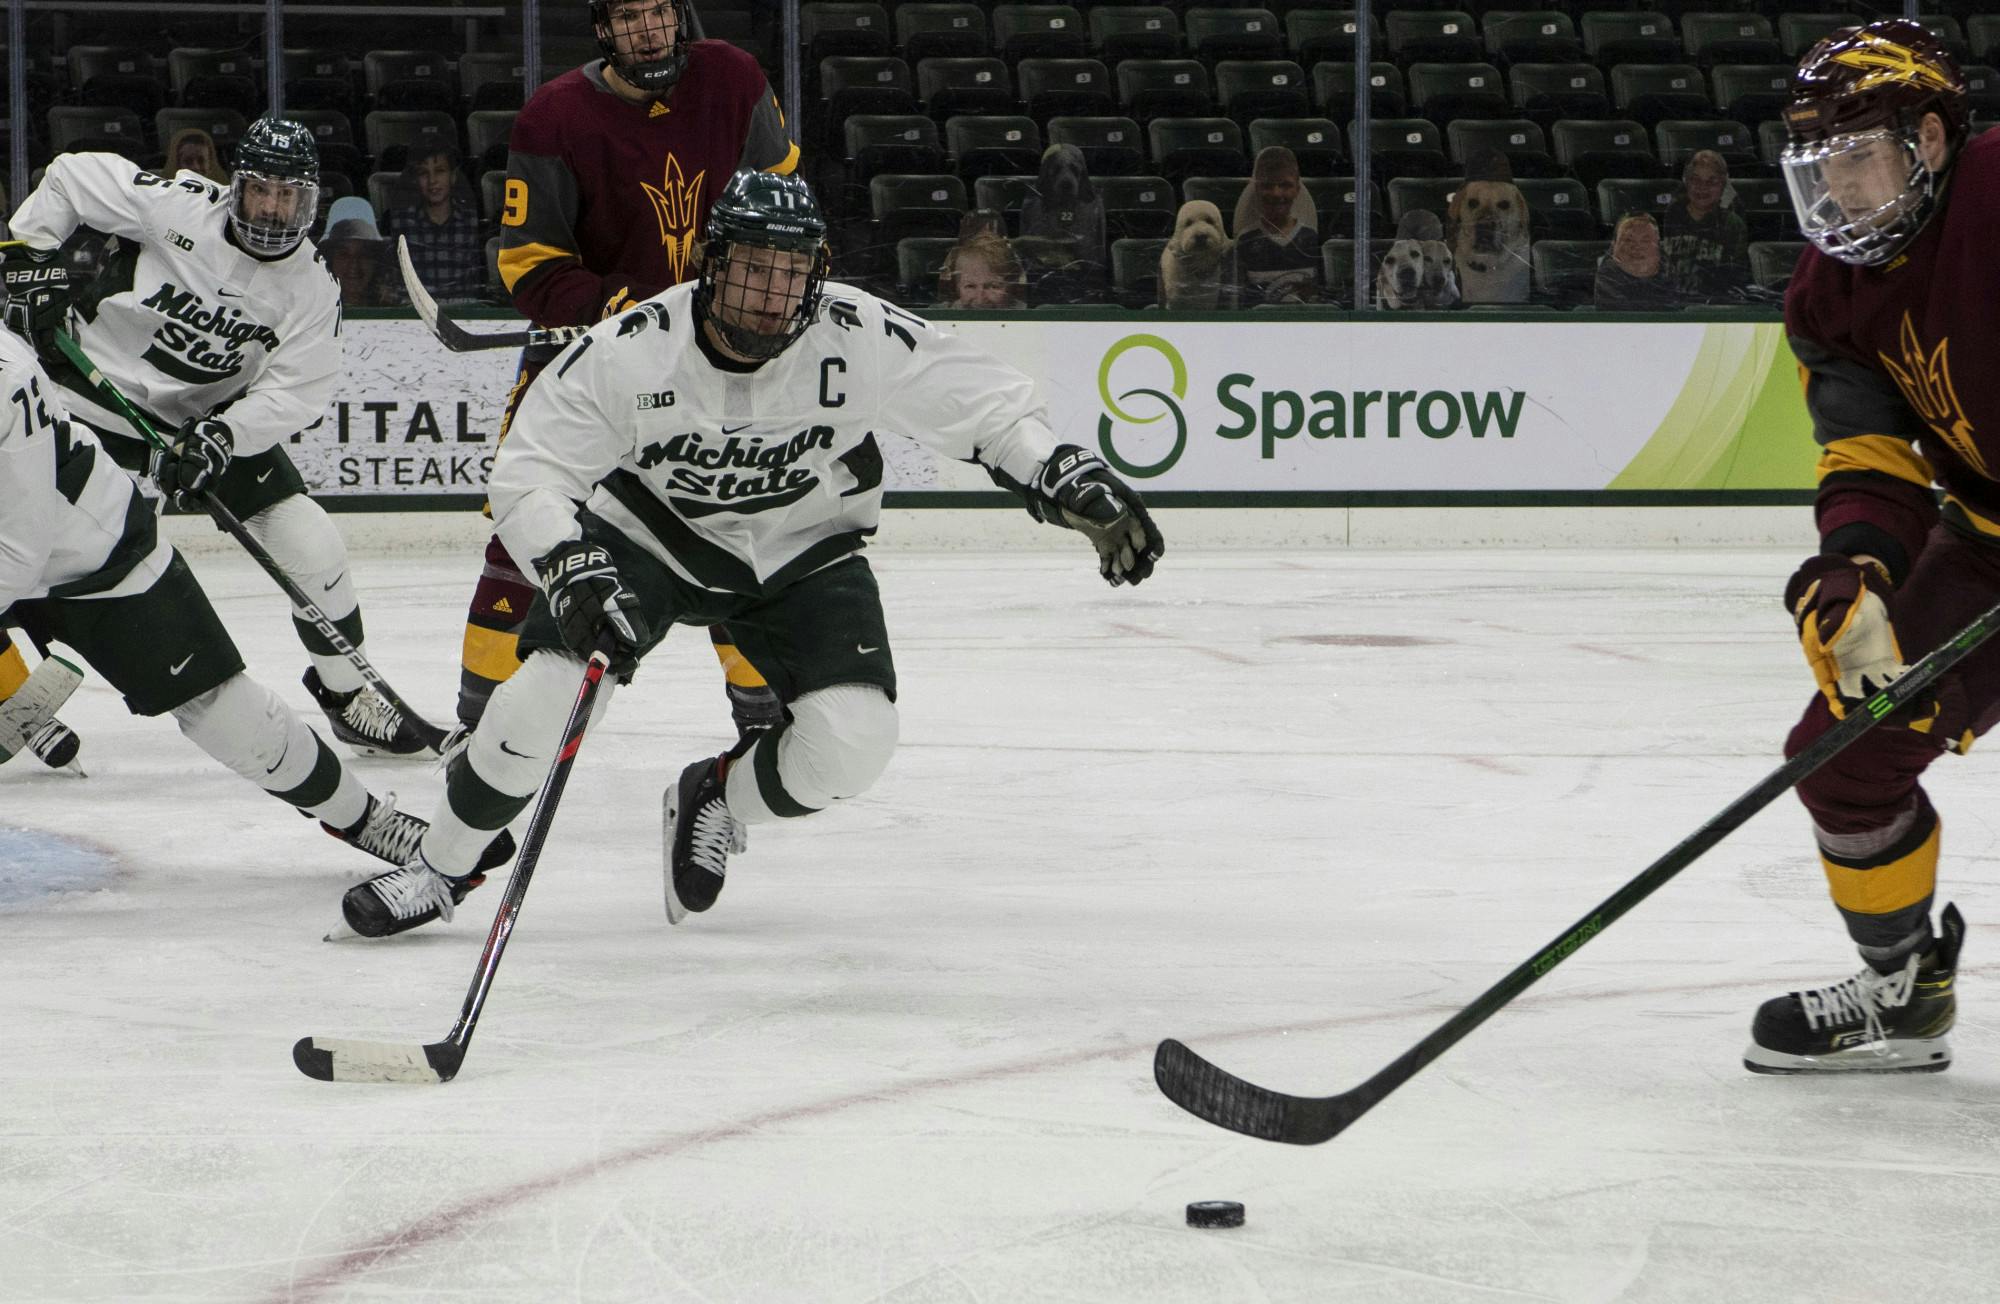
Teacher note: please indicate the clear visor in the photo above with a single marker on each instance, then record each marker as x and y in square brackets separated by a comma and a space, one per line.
[271, 214]
[1859, 197]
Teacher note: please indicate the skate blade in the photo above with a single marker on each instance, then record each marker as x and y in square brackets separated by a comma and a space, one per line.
[341, 932]
[676, 912]
[1920, 1055]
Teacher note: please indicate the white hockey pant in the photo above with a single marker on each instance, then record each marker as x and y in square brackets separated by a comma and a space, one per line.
[242, 724]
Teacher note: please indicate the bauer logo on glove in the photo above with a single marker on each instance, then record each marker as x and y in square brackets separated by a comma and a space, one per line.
[1077, 490]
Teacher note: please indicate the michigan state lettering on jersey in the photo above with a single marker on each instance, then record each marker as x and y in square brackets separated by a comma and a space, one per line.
[741, 475]
[742, 494]
[202, 343]
[181, 318]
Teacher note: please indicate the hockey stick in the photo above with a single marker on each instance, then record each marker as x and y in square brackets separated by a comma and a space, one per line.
[333, 1060]
[32, 709]
[432, 735]
[1228, 1101]
[460, 340]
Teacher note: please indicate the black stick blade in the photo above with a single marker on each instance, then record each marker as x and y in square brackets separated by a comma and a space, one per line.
[1222, 1098]
[330, 1059]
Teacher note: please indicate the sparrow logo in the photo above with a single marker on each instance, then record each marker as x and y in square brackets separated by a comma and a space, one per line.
[1166, 403]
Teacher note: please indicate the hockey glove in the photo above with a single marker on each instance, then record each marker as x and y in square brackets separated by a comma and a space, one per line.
[1842, 609]
[190, 465]
[591, 603]
[1076, 490]
[38, 285]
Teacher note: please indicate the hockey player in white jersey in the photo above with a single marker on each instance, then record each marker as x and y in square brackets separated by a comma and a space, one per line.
[219, 320]
[711, 456]
[81, 563]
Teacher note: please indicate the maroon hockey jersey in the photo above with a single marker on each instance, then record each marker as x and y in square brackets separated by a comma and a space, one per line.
[1902, 371]
[605, 196]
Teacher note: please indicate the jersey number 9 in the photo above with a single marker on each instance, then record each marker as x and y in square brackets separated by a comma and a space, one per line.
[514, 209]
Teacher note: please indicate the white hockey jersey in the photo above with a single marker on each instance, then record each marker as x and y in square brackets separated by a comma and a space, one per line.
[743, 482]
[71, 523]
[181, 320]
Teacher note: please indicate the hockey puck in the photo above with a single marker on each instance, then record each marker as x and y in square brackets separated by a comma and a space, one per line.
[1215, 1213]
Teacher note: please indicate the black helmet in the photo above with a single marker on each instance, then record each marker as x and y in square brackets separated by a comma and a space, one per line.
[274, 192]
[1858, 183]
[654, 76]
[761, 210]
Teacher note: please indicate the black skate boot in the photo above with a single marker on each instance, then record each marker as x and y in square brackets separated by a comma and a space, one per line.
[700, 833]
[366, 721]
[412, 893]
[1870, 1023]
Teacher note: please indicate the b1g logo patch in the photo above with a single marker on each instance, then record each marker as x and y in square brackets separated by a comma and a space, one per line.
[179, 241]
[661, 399]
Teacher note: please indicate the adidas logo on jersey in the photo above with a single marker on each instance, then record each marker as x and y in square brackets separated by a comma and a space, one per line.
[504, 607]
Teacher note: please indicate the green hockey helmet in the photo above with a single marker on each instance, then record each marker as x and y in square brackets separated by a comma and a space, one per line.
[764, 263]
[274, 192]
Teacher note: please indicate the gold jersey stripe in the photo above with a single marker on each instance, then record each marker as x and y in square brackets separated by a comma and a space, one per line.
[519, 260]
[1885, 454]
[1957, 509]
[791, 162]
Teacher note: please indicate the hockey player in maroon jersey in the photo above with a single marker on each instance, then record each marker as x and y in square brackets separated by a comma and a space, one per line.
[1891, 316]
[612, 168]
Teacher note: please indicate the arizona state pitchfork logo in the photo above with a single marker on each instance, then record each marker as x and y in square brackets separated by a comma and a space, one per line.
[1925, 379]
[1883, 61]
[675, 203]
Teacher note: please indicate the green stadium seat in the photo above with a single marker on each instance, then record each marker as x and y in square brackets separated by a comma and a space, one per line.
[1218, 34]
[1121, 32]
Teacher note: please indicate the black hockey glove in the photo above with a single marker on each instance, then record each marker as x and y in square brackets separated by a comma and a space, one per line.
[1076, 490]
[190, 464]
[38, 285]
[591, 603]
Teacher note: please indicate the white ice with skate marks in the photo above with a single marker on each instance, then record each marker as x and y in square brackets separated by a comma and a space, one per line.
[1291, 808]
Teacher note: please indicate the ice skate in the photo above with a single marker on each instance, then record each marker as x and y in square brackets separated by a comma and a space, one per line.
[1870, 1023]
[700, 835]
[404, 898]
[412, 893]
[366, 721]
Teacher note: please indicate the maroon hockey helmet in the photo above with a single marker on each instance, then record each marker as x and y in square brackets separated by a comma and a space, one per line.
[1858, 180]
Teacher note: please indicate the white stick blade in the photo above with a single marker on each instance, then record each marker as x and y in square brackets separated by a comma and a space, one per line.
[35, 703]
[420, 298]
[330, 1059]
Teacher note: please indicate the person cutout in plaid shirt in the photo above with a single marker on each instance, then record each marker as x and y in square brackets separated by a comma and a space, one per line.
[447, 246]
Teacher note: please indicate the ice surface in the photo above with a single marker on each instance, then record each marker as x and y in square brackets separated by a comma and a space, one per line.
[1291, 808]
